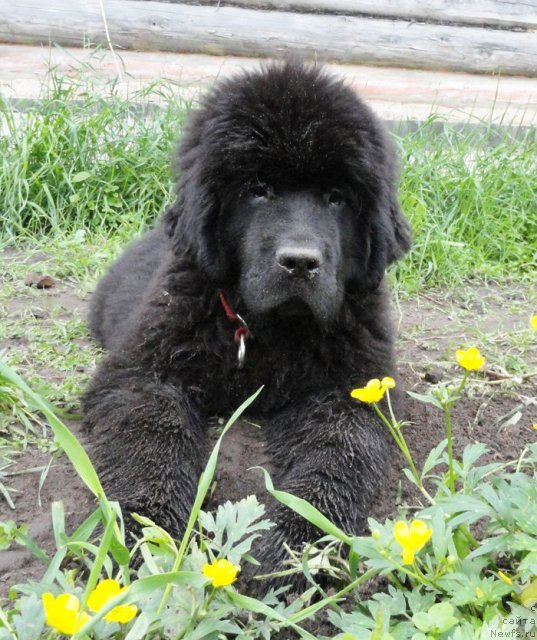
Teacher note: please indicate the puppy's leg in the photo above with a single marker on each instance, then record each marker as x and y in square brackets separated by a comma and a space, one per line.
[333, 453]
[150, 444]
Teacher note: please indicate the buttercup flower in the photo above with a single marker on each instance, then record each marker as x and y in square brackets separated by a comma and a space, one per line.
[387, 382]
[374, 390]
[479, 592]
[411, 538]
[221, 572]
[533, 322]
[63, 613]
[471, 359]
[103, 593]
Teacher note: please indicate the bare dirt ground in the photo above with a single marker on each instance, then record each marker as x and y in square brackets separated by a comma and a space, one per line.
[431, 326]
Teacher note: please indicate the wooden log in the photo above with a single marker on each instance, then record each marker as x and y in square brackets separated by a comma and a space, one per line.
[497, 13]
[244, 32]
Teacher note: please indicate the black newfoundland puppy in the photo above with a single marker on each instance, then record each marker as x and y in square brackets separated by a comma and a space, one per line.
[268, 270]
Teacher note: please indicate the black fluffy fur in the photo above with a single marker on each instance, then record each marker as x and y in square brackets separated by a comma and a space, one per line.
[258, 162]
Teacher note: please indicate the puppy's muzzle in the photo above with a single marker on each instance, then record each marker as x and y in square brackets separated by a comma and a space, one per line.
[299, 262]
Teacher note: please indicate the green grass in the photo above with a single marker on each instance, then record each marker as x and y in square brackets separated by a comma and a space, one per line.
[470, 196]
[78, 159]
[85, 159]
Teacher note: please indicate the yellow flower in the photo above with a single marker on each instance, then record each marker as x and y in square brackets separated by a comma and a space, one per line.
[479, 592]
[374, 390]
[387, 382]
[63, 613]
[221, 572]
[534, 425]
[471, 359]
[533, 322]
[505, 577]
[103, 593]
[411, 538]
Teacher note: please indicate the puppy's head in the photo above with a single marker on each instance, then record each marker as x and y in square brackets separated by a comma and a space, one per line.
[288, 190]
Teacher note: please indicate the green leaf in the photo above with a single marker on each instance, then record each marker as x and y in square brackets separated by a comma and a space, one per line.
[119, 552]
[440, 539]
[438, 619]
[29, 624]
[354, 561]
[528, 567]
[422, 621]
[235, 527]
[472, 453]
[81, 176]
[72, 448]
[251, 604]
[139, 629]
[442, 615]
[426, 399]
[410, 476]
[462, 543]
[145, 586]
[58, 524]
[54, 567]
[528, 596]
[211, 628]
[434, 457]
[84, 531]
[306, 510]
[101, 555]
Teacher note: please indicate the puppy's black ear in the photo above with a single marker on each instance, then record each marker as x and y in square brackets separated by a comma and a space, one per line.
[389, 238]
[170, 219]
[193, 221]
[400, 238]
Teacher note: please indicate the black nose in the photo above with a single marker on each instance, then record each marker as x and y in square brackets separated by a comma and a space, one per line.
[299, 262]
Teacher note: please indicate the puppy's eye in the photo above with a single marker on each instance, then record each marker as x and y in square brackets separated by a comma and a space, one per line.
[259, 191]
[335, 198]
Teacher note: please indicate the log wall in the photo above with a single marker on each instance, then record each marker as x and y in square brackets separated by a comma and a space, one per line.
[344, 35]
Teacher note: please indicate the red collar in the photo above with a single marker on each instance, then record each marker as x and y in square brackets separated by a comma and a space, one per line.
[242, 333]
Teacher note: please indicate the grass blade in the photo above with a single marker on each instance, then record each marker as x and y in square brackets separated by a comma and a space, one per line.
[204, 485]
[306, 510]
[73, 449]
